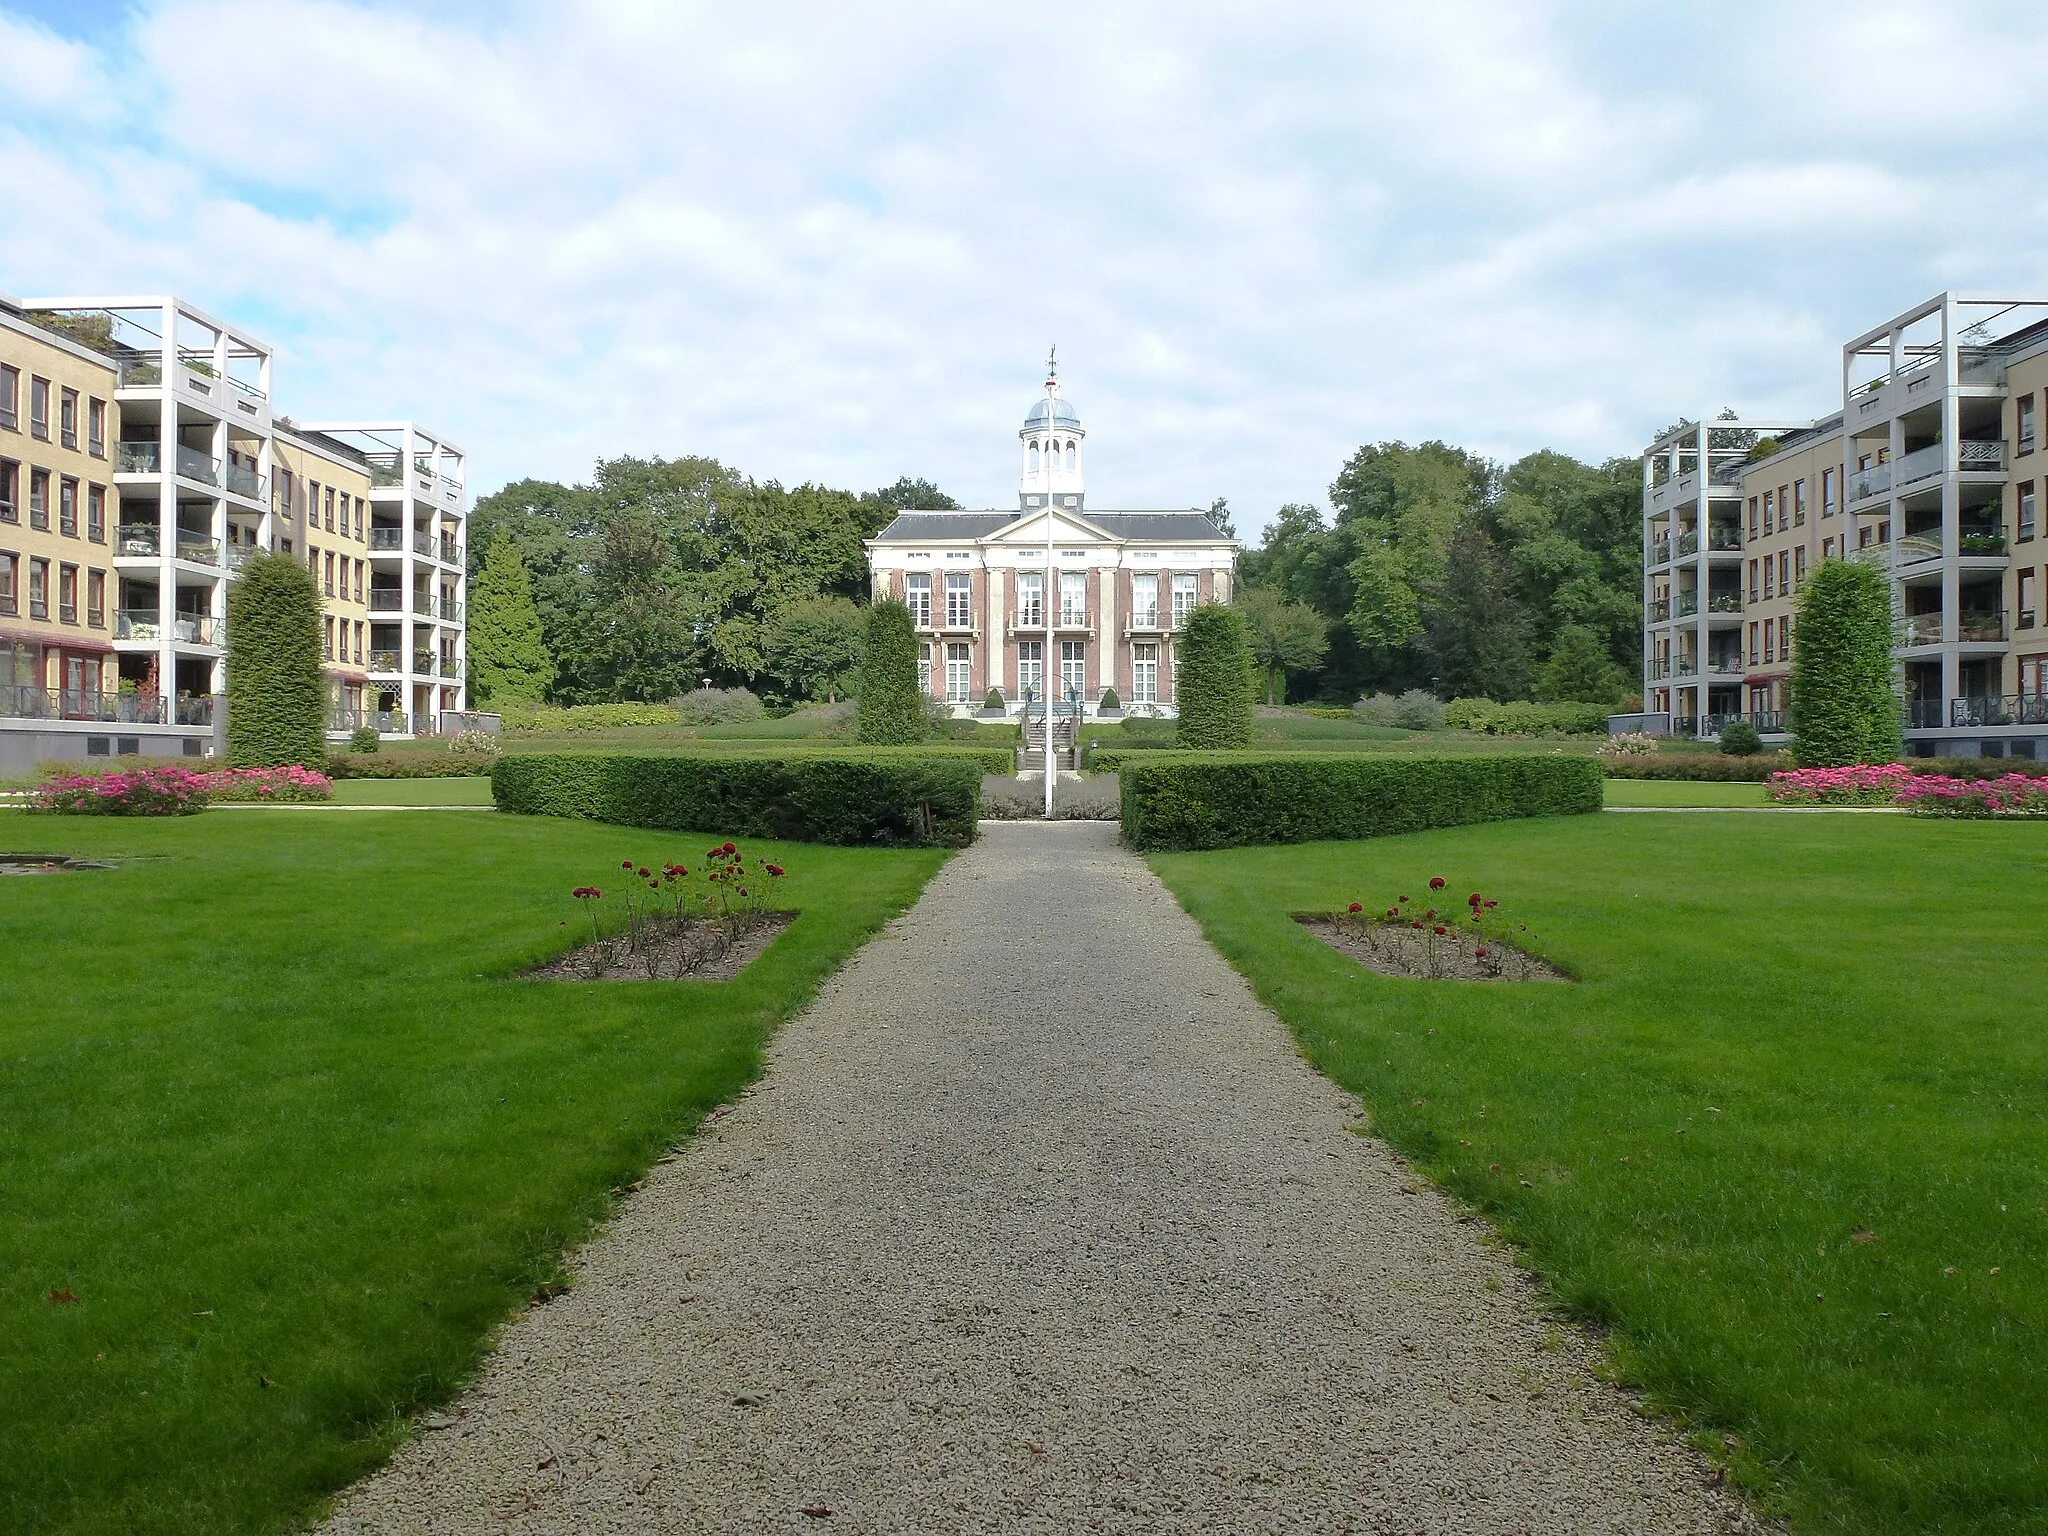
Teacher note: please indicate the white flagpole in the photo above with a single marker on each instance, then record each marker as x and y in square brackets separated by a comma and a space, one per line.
[1045, 664]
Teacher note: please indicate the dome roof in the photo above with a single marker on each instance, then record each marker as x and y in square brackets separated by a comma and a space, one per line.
[1063, 415]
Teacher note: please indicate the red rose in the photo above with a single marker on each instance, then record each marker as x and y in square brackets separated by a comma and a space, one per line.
[1404, 898]
[1439, 929]
[1480, 951]
[1436, 882]
[775, 870]
[625, 863]
[1355, 907]
[730, 849]
[1474, 899]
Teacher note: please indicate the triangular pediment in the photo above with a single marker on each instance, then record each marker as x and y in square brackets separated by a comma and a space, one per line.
[1068, 527]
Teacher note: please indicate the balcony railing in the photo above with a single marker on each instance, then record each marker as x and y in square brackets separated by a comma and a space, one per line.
[19, 701]
[1659, 670]
[384, 661]
[1924, 714]
[1660, 610]
[137, 539]
[1874, 481]
[1980, 543]
[1688, 544]
[138, 458]
[1920, 629]
[193, 465]
[384, 721]
[1768, 721]
[1980, 627]
[1977, 455]
[141, 372]
[1685, 604]
[451, 552]
[1724, 602]
[386, 600]
[1660, 552]
[184, 628]
[1999, 709]
[1724, 538]
[244, 480]
[423, 663]
[1724, 666]
[1685, 666]
[190, 710]
[422, 543]
[387, 538]
[1919, 464]
[1915, 548]
[198, 548]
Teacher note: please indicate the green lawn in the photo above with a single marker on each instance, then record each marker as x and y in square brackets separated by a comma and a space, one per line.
[1786, 1136]
[1681, 792]
[271, 1113]
[470, 791]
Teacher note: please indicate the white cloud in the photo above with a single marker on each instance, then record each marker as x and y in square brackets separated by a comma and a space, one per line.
[831, 242]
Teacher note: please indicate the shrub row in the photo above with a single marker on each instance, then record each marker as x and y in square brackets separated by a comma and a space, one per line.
[403, 763]
[1525, 719]
[1214, 800]
[898, 798]
[1697, 767]
[521, 719]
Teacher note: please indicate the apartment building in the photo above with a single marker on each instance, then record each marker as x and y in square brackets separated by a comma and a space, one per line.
[1927, 471]
[150, 464]
[1052, 596]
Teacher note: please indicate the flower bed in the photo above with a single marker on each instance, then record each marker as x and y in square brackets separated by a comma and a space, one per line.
[666, 924]
[1422, 942]
[169, 791]
[1857, 784]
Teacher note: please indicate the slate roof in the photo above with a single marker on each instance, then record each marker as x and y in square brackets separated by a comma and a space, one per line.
[917, 527]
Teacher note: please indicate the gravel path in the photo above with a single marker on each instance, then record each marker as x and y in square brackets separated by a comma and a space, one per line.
[969, 1259]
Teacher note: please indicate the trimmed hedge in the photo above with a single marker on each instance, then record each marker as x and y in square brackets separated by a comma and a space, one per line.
[894, 798]
[1218, 800]
[1214, 680]
[890, 711]
[1522, 718]
[1699, 767]
[400, 764]
[277, 694]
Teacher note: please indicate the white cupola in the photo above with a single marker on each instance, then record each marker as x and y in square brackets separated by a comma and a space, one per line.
[1052, 450]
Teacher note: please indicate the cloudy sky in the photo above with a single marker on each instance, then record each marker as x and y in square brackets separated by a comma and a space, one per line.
[832, 242]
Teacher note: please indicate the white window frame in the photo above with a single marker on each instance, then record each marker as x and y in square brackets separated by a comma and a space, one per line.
[959, 660]
[1031, 599]
[1074, 668]
[917, 593]
[924, 670]
[959, 600]
[1145, 600]
[1073, 599]
[1184, 590]
[1031, 668]
[1144, 674]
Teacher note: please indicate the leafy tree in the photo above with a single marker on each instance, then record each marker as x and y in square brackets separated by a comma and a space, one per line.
[1845, 707]
[892, 710]
[908, 495]
[1214, 679]
[1477, 632]
[1401, 506]
[1284, 637]
[813, 643]
[1579, 670]
[1219, 514]
[277, 694]
[640, 641]
[508, 658]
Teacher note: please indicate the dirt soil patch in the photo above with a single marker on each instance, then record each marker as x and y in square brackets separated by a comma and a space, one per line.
[664, 950]
[1418, 954]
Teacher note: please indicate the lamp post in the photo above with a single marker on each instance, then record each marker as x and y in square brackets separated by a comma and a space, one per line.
[1052, 388]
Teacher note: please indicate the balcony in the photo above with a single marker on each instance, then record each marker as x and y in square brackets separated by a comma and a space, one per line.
[1980, 456]
[136, 458]
[1999, 710]
[1685, 604]
[1916, 549]
[389, 722]
[19, 701]
[184, 628]
[423, 544]
[1866, 483]
[1980, 542]
[1688, 543]
[1924, 715]
[141, 372]
[244, 480]
[1660, 610]
[1660, 552]
[384, 661]
[1725, 666]
[1685, 666]
[201, 468]
[198, 549]
[1724, 602]
[450, 610]
[1980, 628]
[1723, 538]
[1768, 722]
[1920, 629]
[1920, 464]
[387, 600]
[423, 663]
[451, 552]
[137, 539]
[188, 710]
[386, 538]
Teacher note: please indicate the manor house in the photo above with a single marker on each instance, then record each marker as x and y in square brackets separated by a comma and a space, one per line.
[1052, 593]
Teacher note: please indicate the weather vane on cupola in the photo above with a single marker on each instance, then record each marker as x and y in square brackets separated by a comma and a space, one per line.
[1052, 368]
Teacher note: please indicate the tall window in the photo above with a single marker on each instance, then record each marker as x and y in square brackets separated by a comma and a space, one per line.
[924, 669]
[1032, 462]
[956, 673]
[67, 507]
[1183, 599]
[1799, 503]
[1784, 573]
[96, 599]
[1074, 667]
[1145, 604]
[96, 514]
[329, 523]
[96, 428]
[2026, 432]
[917, 592]
[67, 417]
[1752, 517]
[1031, 669]
[10, 396]
[10, 487]
[38, 589]
[39, 499]
[1799, 567]
[67, 593]
[1070, 455]
[959, 608]
[1030, 600]
[39, 408]
[9, 598]
[1145, 674]
[1827, 493]
[2026, 520]
[1754, 654]
[1784, 507]
[1073, 599]
[2026, 599]
[327, 575]
[1754, 590]
[1770, 510]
